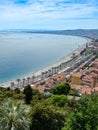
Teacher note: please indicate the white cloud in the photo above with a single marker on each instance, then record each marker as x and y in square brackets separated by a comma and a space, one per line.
[45, 13]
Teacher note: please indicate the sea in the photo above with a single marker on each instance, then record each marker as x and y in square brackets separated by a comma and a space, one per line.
[23, 53]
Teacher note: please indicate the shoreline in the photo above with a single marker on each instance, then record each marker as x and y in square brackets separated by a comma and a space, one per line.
[37, 73]
[64, 59]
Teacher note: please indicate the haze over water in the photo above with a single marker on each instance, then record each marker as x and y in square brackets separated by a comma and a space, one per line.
[22, 53]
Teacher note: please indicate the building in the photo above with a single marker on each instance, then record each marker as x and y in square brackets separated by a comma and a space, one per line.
[45, 85]
[82, 89]
[86, 90]
[88, 80]
[95, 63]
[76, 78]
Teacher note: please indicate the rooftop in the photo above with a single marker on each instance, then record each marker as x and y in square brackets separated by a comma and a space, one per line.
[86, 90]
[88, 78]
[78, 74]
[49, 83]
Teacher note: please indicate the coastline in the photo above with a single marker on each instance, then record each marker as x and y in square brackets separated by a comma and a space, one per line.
[65, 58]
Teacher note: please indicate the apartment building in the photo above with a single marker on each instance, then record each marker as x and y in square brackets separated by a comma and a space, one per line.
[76, 78]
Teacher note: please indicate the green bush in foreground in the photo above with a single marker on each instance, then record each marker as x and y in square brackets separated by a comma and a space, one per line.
[85, 115]
[46, 117]
[13, 117]
[58, 100]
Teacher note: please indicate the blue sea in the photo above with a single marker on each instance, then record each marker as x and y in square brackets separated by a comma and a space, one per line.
[22, 53]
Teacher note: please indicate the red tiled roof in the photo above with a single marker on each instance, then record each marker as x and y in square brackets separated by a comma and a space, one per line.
[96, 60]
[76, 87]
[94, 74]
[95, 89]
[41, 88]
[49, 83]
[96, 85]
[78, 74]
[88, 78]
[86, 90]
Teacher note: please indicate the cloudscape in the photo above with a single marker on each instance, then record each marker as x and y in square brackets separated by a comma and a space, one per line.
[48, 14]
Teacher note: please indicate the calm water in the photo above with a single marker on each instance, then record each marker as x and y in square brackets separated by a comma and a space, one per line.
[22, 53]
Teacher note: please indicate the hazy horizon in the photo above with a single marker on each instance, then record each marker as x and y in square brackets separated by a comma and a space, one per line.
[39, 30]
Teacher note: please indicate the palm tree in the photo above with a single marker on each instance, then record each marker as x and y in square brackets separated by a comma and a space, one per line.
[49, 72]
[42, 75]
[62, 65]
[28, 79]
[12, 84]
[46, 74]
[33, 77]
[23, 81]
[13, 117]
[52, 70]
[73, 55]
[18, 80]
[57, 68]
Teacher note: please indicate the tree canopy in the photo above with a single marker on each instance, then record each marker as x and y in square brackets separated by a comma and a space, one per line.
[85, 115]
[46, 117]
[28, 94]
[61, 88]
[58, 100]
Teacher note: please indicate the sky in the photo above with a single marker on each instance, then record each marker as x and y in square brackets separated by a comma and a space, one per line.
[48, 14]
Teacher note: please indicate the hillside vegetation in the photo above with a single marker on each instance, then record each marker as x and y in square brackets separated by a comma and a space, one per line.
[31, 110]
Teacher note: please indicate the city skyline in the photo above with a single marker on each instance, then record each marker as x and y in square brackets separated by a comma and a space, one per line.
[48, 14]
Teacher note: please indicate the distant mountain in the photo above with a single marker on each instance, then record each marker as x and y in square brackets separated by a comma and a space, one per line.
[90, 33]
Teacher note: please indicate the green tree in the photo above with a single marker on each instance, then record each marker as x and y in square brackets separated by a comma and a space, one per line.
[18, 82]
[85, 116]
[58, 100]
[61, 88]
[28, 94]
[12, 84]
[23, 81]
[33, 77]
[13, 117]
[28, 79]
[46, 117]
[72, 102]
[17, 90]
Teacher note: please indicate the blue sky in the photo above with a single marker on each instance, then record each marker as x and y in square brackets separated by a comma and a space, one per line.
[48, 14]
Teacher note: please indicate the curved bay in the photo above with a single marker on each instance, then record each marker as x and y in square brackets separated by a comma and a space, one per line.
[22, 53]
